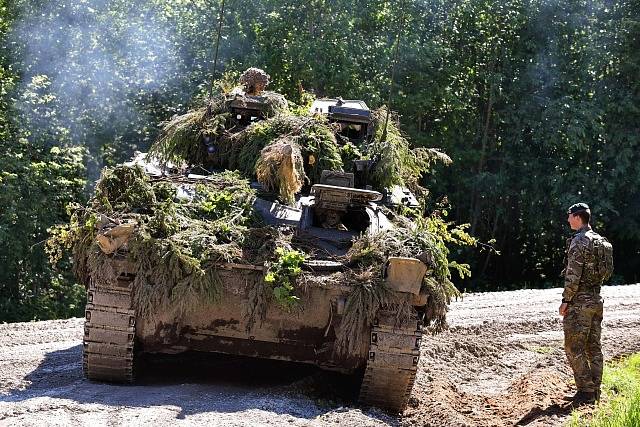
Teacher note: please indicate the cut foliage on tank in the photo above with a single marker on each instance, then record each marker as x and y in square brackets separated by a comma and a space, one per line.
[334, 135]
[252, 231]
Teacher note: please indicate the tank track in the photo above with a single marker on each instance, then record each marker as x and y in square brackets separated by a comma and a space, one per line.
[392, 363]
[109, 328]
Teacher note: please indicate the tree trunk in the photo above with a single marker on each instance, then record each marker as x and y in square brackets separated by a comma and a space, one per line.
[483, 154]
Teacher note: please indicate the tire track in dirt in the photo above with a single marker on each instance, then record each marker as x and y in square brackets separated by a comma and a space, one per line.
[500, 363]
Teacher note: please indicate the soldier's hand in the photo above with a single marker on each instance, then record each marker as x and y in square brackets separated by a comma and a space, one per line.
[563, 309]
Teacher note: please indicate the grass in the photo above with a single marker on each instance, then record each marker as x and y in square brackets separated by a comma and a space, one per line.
[620, 404]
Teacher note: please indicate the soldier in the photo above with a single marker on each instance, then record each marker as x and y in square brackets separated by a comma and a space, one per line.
[254, 81]
[582, 306]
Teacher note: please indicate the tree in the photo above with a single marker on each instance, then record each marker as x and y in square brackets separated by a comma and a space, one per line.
[535, 101]
[40, 174]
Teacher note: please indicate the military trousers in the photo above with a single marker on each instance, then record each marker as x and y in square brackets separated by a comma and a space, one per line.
[582, 326]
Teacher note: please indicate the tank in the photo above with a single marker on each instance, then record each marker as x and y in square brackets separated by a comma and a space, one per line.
[331, 216]
[327, 218]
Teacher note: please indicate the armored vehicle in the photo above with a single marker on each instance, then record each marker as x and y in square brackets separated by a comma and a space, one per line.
[325, 327]
[115, 335]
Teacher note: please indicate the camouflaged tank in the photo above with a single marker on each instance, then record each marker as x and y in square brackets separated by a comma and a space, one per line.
[329, 217]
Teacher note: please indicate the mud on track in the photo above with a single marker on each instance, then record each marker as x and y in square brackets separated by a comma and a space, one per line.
[501, 363]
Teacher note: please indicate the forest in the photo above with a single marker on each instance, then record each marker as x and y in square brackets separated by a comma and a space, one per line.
[537, 102]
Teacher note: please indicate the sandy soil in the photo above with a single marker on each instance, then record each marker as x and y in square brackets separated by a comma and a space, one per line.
[500, 364]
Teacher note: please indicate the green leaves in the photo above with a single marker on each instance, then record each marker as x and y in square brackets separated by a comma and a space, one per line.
[526, 99]
[217, 205]
[38, 181]
[535, 102]
[282, 275]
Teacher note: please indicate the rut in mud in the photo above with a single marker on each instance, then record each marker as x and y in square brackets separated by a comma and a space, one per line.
[501, 363]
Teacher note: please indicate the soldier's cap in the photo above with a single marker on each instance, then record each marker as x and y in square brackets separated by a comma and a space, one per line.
[579, 207]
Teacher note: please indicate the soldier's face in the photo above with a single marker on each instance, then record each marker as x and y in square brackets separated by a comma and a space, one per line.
[575, 222]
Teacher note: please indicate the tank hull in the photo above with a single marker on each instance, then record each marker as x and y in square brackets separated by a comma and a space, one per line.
[115, 333]
[305, 334]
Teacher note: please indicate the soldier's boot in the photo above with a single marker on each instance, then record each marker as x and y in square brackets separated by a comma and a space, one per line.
[572, 396]
[583, 398]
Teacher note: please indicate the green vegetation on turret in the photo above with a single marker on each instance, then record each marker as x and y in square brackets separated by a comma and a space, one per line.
[183, 229]
[285, 151]
[261, 149]
[264, 144]
[396, 162]
[181, 139]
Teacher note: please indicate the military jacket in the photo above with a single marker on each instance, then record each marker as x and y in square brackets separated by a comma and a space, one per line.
[579, 274]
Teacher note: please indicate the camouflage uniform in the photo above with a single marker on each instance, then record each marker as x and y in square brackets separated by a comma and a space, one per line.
[582, 321]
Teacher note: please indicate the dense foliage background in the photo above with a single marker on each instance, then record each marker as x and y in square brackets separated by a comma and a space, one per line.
[536, 101]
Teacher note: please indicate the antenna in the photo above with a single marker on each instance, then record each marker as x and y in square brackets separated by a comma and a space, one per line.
[393, 72]
[215, 58]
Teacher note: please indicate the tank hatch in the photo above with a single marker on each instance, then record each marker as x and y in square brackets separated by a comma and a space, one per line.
[353, 116]
[248, 108]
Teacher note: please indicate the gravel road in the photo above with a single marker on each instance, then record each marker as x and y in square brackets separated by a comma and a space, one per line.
[501, 363]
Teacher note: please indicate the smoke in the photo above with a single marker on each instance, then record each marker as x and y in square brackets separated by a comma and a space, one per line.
[103, 62]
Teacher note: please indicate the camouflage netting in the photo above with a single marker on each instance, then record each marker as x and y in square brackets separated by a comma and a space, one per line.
[280, 168]
[183, 139]
[261, 148]
[209, 136]
[369, 294]
[373, 250]
[395, 162]
[177, 232]
[183, 230]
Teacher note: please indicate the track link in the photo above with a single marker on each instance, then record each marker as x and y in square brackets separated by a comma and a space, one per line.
[392, 363]
[109, 328]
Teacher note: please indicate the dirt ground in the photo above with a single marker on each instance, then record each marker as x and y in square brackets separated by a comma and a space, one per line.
[500, 364]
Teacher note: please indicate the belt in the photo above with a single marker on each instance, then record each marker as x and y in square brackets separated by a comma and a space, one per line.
[591, 291]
